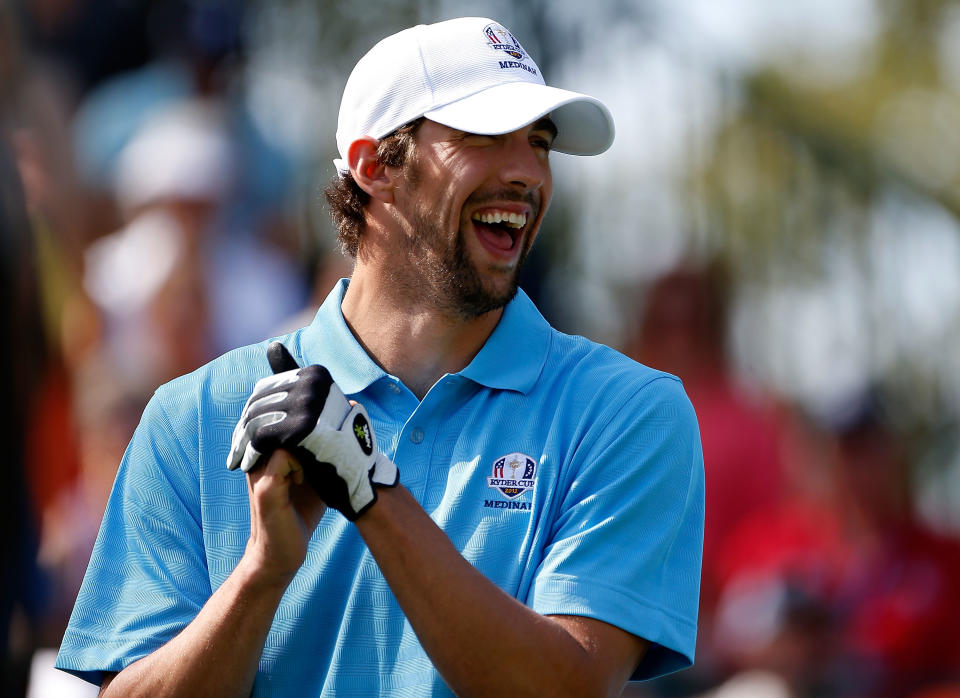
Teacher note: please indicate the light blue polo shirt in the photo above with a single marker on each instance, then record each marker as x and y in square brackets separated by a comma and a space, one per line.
[569, 475]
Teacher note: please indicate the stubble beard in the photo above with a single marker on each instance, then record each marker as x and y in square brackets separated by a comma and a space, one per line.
[450, 281]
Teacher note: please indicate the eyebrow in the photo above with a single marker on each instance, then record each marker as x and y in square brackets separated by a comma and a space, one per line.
[545, 123]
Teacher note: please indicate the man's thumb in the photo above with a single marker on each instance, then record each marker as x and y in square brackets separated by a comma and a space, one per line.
[280, 358]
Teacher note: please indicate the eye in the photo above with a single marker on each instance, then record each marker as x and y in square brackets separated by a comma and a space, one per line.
[543, 133]
[542, 142]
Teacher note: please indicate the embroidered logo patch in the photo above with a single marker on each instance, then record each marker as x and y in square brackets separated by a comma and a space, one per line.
[513, 474]
[503, 40]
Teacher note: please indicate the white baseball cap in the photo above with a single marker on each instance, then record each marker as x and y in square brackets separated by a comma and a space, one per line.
[470, 74]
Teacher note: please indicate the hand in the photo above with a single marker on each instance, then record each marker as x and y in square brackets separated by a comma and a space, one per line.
[284, 512]
[304, 412]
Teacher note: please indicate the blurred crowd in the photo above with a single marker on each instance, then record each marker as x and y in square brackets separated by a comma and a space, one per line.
[146, 228]
[819, 576]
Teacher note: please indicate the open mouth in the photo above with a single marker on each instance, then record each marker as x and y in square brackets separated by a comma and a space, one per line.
[499, 229]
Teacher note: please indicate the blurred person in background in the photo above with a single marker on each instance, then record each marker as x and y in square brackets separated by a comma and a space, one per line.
[778, 575]
[54, 325]
[148, 277]
[146, 286]
[40, 94]
[22, 587]
[247, 253]
[79, 82]
[682, 328]
[900, 604]
[150, 284]
[35, 112]
[843, 590]
[819, 578]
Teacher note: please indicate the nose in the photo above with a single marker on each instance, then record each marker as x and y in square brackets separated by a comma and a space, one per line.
[524, 165]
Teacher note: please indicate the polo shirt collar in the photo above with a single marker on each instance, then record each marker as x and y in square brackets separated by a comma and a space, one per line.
[515, 353]
[511, 359]
[329, 342]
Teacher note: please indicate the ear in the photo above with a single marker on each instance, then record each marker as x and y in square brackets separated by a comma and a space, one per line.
[371, 175]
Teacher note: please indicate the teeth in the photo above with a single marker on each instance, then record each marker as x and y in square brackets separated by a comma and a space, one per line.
[513, 220]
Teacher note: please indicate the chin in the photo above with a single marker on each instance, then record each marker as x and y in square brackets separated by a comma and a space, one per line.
[493, 296]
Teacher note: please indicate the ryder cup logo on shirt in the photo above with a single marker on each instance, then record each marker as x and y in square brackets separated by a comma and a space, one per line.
[502, 40]
[513, 474]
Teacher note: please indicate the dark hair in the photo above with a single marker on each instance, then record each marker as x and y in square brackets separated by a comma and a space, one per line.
[347, 200]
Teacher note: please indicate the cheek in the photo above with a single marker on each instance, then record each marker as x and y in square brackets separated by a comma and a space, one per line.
[546, 190]
[455, 205]
[444, 198]
[546, 196]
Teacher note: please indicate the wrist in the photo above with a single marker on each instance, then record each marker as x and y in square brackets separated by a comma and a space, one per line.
[254, 572]
[382, 515]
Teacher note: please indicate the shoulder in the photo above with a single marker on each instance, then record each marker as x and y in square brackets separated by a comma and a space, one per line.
[584, 365]
[606, 403]
[221, 385]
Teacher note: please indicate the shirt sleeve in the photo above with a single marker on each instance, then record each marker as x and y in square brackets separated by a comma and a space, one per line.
[627, 544]
[147, 577]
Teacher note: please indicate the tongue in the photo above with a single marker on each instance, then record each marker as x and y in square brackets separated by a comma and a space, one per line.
[495, 236]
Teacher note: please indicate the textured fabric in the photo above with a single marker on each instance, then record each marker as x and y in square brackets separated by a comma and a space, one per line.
[568, 474]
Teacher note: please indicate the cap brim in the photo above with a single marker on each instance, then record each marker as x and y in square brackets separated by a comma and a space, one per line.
[584, 124]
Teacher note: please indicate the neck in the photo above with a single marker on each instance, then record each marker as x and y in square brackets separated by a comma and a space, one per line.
[405, 334]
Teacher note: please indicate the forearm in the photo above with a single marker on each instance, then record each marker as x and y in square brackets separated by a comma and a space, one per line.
[218, 652]
[458, 613]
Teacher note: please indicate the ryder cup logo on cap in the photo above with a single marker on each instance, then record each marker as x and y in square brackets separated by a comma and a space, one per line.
[501, 39]
[470, 74]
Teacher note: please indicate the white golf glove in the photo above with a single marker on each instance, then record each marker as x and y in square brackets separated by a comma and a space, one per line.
[304, 412]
